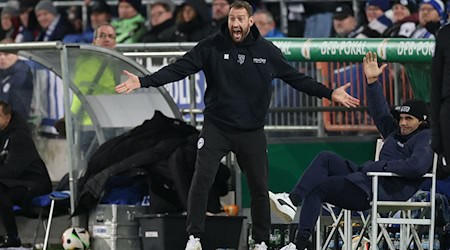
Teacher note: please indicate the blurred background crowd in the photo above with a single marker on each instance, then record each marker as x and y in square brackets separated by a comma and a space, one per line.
[138, 21]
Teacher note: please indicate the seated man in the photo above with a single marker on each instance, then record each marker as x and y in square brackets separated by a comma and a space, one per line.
[335, 180]
[23, 174]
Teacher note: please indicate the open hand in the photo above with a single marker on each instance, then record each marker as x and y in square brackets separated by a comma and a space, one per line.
[341, 96]
[371, 69]
[129, 85]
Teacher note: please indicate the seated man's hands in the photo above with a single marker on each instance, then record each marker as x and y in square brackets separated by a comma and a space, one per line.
[371, 69]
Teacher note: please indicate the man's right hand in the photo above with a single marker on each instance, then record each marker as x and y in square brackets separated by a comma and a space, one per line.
[129, 85]
[371, 69]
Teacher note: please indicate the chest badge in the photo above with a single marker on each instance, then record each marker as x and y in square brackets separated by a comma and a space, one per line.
[241, 59]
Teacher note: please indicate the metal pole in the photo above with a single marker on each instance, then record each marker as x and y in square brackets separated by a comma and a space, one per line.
[69, 133]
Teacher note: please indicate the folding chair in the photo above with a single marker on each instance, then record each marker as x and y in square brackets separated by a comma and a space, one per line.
[407, 222]
[41, 203]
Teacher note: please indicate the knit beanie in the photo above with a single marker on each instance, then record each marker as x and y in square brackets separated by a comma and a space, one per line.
[99, 6]
[13, 12]
[169, 3]
[410, 4]
[135, 3]
[438, 5]
[26, 4]
[46, 5]
[382, 4]
[414, 107]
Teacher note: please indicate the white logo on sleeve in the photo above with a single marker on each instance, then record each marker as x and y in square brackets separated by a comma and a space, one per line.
[226, 56]
[200, 143]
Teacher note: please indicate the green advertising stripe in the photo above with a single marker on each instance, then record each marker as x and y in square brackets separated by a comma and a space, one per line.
[353, 50]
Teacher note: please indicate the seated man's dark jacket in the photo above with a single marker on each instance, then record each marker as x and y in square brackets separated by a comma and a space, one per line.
[20, 163]
[409, 156]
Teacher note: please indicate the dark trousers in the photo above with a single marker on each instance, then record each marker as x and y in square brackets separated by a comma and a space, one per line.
[250, 148]
[324, 181]
[9, 197]
[444, 119]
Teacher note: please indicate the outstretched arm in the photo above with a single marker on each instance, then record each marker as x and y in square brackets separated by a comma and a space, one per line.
[129, 85]
[341, 96]
[378, 106]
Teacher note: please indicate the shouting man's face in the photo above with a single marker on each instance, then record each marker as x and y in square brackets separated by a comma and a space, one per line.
[239, 24]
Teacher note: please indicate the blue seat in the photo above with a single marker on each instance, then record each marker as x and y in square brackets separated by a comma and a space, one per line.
[42, 203]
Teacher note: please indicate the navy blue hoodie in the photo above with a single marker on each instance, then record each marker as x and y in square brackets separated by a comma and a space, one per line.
[238, 77]
[409, 156]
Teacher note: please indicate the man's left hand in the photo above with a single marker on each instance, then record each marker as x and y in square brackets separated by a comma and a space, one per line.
[341, 96]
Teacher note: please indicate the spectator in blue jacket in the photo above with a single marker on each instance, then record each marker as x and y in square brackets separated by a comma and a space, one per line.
[333, 179]
[16, 82]
[99, 13]
[54, 26]
[266, 24]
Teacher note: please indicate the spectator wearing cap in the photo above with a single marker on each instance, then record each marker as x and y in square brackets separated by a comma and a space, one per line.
[9, 21]
[376, 8]
[266, 24]
[99, 13]
[29, 27]
[405, 19]
[344, 22]
[379, 16]
[130, 27]
[220, 9]
[193, 21]
[53, 26]
[162, 22]
[431, 17]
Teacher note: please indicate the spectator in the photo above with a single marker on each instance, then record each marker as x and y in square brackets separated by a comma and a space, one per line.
[9, 21]
[130, 27]
[99, 12]
[93, 75]
[29, 26]
[23, 174]
[379, 17]
[266, 24]
[431, 16]
[16, 82]
[161, 21]
[405, 19]
[375, 9]
[53, 26]
[318, 21]
[344, 22]
[330, 178]
[193, 22]
[220, 9]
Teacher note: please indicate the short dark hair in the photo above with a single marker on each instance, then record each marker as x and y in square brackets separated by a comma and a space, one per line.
[101, 25]
[6, 108]
[243, 5]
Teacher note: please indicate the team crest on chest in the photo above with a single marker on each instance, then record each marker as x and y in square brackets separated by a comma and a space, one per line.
[241, 59]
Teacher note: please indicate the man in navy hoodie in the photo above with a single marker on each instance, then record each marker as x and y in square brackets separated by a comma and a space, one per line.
[239, 66]
[330, 178]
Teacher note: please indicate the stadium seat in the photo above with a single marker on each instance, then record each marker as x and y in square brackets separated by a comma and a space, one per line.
[41, 203]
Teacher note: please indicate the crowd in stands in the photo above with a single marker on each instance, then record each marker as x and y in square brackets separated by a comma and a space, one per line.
[193, 20]
[164, 21]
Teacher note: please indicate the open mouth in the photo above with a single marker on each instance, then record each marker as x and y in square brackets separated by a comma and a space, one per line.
[237, 34]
